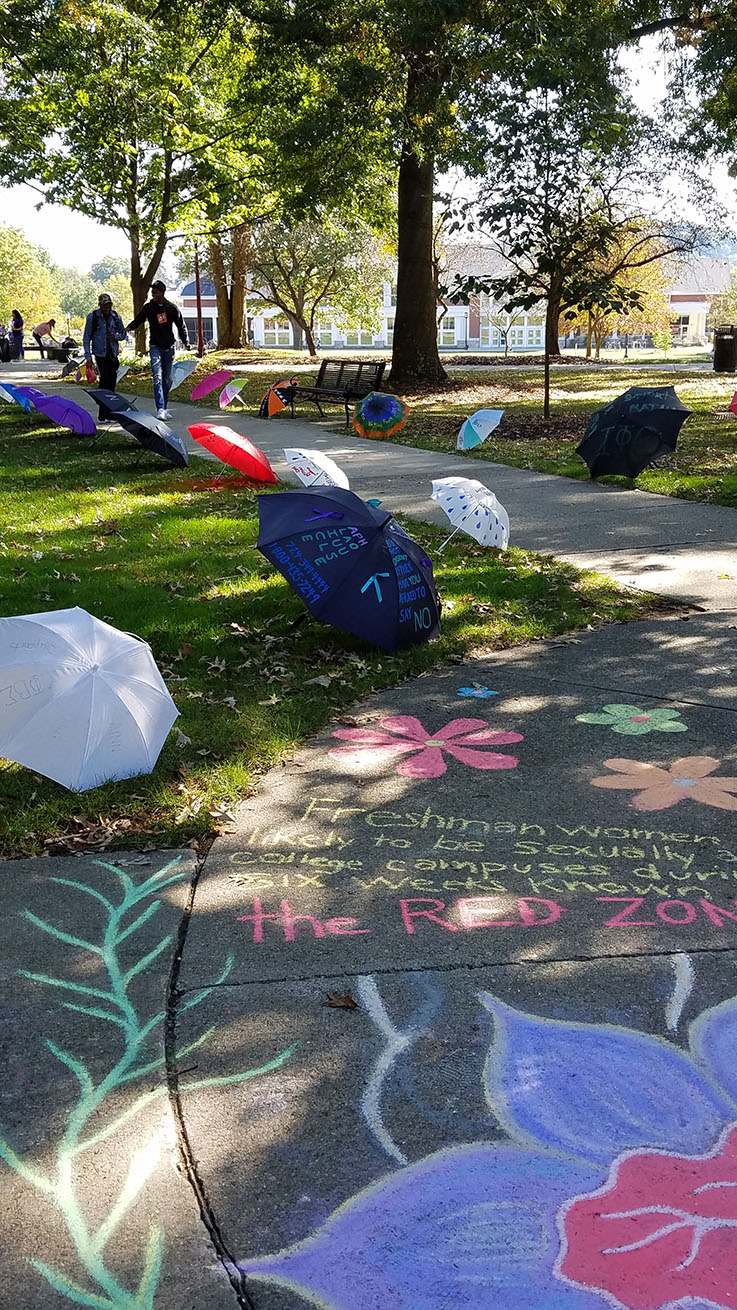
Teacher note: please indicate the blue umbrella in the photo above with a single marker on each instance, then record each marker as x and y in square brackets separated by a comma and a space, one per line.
[9, 392]
[181, 370]
[351, 564]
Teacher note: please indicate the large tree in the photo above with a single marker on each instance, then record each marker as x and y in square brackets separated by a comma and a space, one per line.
[27, 281]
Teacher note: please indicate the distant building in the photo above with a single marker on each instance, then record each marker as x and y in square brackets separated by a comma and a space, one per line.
[476, 327]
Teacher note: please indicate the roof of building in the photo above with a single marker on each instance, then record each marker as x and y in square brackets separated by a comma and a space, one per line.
[189, 290]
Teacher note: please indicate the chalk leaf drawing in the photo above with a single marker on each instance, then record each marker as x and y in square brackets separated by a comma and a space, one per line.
[631, 721]
[649, 1127]
[480, 693]
[105, 998]
[659, 788]
[403, 734]
[663, 1228]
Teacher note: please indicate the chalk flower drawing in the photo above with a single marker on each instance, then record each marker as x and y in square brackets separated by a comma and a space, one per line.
[631, 721]
[403, 734]
[481, 693]
[660, 788]
[616, 1188]
[109, 1002]
[664, 1225]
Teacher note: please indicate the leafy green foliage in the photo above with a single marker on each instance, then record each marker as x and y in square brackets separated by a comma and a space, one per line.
[26, 281]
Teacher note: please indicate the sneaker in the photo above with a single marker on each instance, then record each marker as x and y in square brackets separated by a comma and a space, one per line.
[166, 413]
[161, 413]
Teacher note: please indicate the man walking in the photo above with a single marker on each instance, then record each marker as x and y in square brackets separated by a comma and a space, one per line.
[162, 317]
[103, 329]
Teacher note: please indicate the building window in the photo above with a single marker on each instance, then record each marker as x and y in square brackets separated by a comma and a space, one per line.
[351, 338]
[516, 337]
[325, 332]
[534, 336]
[447, 334]
[276, 332]
[389, 331]
[208, 329]
[682, 325]
[393, 293]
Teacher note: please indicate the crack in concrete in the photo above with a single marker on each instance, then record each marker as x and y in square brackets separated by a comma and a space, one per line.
[186, 1154]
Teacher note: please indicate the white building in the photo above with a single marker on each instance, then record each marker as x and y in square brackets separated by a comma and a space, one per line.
[476, 327]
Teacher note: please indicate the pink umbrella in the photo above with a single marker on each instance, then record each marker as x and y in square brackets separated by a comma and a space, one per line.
[233, 449]
[211, 383]
[232, 391]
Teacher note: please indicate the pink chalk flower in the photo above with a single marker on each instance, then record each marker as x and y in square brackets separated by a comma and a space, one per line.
[402, 734]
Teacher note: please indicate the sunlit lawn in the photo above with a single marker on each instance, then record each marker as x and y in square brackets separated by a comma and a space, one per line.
[160, 553]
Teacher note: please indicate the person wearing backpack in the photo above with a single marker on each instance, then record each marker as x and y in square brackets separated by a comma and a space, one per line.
[103, 330]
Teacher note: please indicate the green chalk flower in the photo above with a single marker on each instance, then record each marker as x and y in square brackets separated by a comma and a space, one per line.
[631, 721]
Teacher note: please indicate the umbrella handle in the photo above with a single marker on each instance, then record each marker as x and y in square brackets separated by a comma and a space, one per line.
[456, 529]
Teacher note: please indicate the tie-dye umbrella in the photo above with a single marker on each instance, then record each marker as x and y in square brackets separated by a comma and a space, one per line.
[472, 508]
[211, 383]
[181, 371]
[478, 427]
[379, 415]
[231, 391]
[315, 469]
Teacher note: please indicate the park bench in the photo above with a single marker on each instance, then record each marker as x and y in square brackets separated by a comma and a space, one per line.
[341, 381]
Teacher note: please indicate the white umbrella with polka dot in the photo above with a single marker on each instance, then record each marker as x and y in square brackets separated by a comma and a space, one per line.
[473, 509]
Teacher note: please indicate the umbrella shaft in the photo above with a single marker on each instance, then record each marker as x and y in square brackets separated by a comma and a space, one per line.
[456, 529]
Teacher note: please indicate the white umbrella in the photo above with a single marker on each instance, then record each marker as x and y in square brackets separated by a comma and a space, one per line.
[315, 469]
[80, 701]
[472, 508]
[478, 427]
[181, 369]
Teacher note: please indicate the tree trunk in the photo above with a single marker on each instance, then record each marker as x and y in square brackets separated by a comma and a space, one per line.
[311, 347]
[222, 296]
[589, 337]
[552, 319]
[415, 355]
[239, 273]
[139, 291]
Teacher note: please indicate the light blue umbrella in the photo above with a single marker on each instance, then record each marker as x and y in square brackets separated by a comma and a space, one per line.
[478, 427]
[181, 370]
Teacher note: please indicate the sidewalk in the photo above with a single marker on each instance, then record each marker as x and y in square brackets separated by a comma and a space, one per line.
[450, 1024]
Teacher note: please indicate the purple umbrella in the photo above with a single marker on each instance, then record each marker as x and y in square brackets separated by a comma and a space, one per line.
[31, 393]
[67, 414]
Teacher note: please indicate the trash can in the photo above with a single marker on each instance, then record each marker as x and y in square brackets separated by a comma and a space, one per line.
[725, 349]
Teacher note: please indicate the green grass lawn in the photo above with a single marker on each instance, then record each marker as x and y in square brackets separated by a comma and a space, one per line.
[704, 467]
[162, 553]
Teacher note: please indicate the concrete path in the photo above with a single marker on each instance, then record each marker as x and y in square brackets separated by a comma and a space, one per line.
[673, 547]
[447, 1021]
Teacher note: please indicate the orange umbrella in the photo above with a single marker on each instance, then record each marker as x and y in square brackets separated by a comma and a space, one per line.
[277, 397]
[233, 449]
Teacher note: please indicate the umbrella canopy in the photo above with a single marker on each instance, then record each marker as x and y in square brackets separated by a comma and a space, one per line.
[126, 368]
[232, 391]
[154, 435]
[67, 414]
[473, 509]
[72, 365]
[110, 403]
[633, 430]
[478, 427]
[31, 393]
[277, 397]
[233, 449]
[181, 370]
[315, 469]
[379, 415]
[13, 396]
[733, 404]
[82, 702]
[211, 383]
[352, 565]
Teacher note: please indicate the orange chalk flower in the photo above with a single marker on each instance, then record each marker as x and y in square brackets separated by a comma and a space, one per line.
[659, 788]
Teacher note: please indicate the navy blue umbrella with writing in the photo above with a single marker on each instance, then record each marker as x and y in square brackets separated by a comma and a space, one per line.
[352, 565]
[632, 431]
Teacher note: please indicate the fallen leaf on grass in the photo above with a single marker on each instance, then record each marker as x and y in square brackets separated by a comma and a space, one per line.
[341, 1001]
[273, 700]
[182, 740]
[322, 681]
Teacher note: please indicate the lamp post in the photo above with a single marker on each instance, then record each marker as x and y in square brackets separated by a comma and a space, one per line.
[200, 333]
[626, 345]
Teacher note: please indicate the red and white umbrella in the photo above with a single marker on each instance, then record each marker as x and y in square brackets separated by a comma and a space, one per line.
[233, 449]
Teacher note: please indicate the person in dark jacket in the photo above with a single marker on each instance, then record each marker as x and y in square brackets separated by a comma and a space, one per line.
[162, 317]
[103, 330]
[16, 334]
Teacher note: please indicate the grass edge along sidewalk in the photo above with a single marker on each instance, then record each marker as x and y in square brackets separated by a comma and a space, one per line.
[168, 555]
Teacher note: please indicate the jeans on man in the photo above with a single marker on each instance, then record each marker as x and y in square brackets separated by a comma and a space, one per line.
[107, 371]
[162, 362]
[39, 343]
[16, 339]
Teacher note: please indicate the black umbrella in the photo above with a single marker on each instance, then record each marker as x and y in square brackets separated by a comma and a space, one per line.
[632, 431]
[109, 402]
[72, 365]
[154, 435]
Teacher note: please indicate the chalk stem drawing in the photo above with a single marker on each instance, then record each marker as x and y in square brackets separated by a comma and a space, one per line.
[683, 986]
[111, 1005]
[396, 1042]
